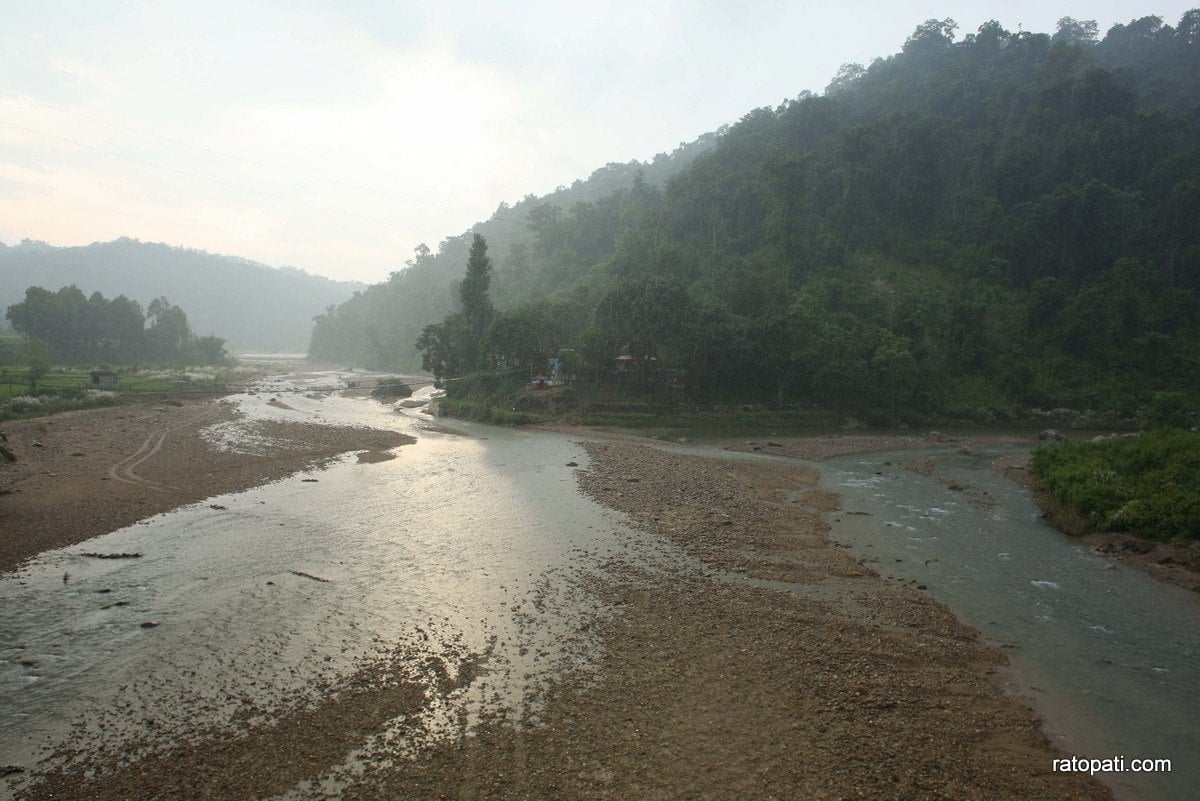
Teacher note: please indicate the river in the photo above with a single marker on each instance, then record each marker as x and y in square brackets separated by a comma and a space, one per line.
[464, 544]
[478, 543]
[1109, 656]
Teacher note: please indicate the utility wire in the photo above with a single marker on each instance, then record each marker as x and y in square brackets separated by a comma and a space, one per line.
[485, 375]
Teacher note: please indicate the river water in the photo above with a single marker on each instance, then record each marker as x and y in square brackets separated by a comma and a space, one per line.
[1108, 655]
[464, 543]
[479, 543]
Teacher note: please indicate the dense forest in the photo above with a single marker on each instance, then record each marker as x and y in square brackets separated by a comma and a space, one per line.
[256, 307]
[378, 328]
[970, 228]
[74, 328]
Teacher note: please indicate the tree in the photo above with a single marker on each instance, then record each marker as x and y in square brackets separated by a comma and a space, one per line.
[1188, 29]
[169, 330]
[477, 307]
[520, 337]
[647, 318]
[931, 34]
[1077, 32]
[895, 372]
[37, 365]
[847, 74]
[211, 350]
[443, 346]
[991, 34]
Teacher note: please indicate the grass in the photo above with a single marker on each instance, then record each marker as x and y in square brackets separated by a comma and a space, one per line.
[507, 401]
[65, 389]
[1147, 485]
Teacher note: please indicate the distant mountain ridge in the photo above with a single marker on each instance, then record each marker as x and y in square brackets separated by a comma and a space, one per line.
[253, 306]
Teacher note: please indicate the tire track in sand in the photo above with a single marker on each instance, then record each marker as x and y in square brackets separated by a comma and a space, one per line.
[124, 470]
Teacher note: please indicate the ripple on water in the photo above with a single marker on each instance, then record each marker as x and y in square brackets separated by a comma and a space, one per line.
[458, 546]
[1068, 619]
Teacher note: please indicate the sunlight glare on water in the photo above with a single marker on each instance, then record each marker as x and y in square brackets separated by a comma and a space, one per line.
[479, 540]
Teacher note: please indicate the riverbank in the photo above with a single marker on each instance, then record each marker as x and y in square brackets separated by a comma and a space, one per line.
[1168, 562]
[772, 665]
[85, 473]
[778, 666]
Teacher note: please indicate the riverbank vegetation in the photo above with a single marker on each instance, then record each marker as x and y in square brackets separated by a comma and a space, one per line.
[1147, 485]
[62, 389]
[77, 352]
[971, 230]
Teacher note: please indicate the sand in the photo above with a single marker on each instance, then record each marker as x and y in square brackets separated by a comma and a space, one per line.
[85, 473]
[777, 667]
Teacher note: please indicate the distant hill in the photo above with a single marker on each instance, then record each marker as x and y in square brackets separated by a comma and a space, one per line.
[251, 305]
[969, 229]
[538, 246]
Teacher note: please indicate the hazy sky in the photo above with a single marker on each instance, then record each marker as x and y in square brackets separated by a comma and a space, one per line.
[336, 136]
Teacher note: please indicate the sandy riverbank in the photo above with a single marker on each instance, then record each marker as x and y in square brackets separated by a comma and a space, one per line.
[711, 682]
[716, 683]
[85, 473]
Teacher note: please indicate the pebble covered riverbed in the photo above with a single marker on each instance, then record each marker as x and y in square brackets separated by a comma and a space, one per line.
[502, 614]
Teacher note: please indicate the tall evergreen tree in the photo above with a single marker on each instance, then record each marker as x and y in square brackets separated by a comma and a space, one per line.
[476, 304]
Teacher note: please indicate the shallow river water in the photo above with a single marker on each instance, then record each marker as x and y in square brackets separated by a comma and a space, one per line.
[1108, 655]
[480, 543]
[476, 541]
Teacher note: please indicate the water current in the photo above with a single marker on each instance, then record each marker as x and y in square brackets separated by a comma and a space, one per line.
[476, 540]
[479, 541]
[1108, 655]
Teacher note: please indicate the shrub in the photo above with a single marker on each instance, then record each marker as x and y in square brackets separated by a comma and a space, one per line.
[1147, 485]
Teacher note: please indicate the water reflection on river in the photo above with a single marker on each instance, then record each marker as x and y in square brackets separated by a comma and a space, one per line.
[476, 541]
[480, 543]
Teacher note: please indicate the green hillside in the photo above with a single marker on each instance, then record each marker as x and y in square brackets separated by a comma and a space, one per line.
[971, 228]
[378, 328]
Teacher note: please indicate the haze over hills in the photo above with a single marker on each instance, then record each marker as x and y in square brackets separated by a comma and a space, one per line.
[973, 227]
[379, 328]
[253, 306]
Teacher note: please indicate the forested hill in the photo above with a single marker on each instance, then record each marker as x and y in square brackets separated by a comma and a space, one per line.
[379, 327]
[251, 305]
[975, 225]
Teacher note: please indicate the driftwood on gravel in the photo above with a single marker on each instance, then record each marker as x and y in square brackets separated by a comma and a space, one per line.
[310, 576]
[95, 555]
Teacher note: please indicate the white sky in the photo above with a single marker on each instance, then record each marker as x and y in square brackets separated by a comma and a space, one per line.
[336, 136]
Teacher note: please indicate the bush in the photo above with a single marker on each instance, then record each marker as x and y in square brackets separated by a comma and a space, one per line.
[1169, 409]
[21, 404]
[1147, 485]
[391, 388]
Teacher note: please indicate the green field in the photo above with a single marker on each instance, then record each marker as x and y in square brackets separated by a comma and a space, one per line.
[63, 388]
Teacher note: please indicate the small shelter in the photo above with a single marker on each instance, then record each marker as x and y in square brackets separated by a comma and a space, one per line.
[103, 379]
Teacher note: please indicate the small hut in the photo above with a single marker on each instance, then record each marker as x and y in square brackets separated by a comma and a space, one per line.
[103, 379]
